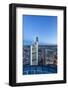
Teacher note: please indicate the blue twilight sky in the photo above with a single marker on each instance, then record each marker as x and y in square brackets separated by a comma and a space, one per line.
[45, 27]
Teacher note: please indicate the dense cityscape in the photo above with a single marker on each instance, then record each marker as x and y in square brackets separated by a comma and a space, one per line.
[39, 58]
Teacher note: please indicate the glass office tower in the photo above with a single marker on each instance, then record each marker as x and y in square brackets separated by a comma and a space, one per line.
[34, 53]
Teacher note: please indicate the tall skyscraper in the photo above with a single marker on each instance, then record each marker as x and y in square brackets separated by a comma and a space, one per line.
[34, 53]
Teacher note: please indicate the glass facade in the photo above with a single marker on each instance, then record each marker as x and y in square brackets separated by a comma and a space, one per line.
[39, 59]
[47, 60]
[46, 55]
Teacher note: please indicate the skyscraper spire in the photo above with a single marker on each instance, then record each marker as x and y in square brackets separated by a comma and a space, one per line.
[37, 38]
[34, 53]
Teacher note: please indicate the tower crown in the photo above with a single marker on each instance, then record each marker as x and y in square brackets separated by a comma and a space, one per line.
[37, 39]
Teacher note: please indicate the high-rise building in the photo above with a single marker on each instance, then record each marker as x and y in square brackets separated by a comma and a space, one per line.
[34, 53]
[39, 54]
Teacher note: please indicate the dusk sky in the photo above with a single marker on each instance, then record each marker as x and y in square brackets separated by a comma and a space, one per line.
[45, 27]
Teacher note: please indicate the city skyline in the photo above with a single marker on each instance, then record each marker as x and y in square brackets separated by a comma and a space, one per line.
[43, 27]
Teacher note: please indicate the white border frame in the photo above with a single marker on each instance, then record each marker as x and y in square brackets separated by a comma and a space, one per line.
[20, 78]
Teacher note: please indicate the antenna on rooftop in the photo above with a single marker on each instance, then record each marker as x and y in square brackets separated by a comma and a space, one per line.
[37, 38]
